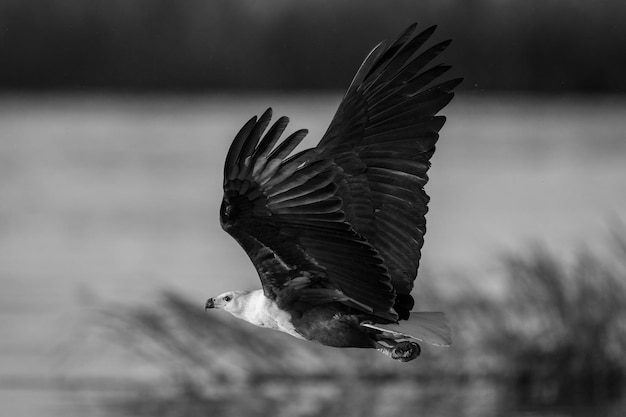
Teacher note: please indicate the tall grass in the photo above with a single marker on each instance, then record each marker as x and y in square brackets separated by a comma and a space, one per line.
[561, 328]
[555, 340]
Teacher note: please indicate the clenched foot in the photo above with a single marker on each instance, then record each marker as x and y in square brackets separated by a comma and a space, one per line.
[402, 351]
[405, 351]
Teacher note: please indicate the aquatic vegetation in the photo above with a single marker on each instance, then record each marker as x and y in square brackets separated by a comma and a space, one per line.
[560, 330]
[555, 339]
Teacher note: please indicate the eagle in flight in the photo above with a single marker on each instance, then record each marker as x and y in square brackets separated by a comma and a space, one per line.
[335, 231]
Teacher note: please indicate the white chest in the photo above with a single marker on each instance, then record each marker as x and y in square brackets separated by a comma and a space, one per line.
[263, 312]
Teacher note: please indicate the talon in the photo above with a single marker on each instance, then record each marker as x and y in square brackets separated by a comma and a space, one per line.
[402, 351]
[406, 351]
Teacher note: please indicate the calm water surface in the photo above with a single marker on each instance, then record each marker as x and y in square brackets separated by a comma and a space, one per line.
[112, 199]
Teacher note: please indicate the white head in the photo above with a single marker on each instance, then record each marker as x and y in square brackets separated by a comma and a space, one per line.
[231, 301]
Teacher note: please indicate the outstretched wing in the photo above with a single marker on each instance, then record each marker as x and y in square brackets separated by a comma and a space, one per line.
[286, 214]
[344, 221]
[383, 136]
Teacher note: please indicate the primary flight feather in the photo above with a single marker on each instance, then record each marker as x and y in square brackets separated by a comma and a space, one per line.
[335, 231]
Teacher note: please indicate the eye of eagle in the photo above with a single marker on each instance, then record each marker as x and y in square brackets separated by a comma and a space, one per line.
[228, 298]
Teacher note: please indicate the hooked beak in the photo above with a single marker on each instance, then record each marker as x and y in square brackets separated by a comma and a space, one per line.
[210, 303]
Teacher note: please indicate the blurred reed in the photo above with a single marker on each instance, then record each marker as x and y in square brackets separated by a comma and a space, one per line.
[560, 329]
[553, 341]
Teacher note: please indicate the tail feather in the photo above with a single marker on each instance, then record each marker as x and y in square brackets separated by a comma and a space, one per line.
[425, 326]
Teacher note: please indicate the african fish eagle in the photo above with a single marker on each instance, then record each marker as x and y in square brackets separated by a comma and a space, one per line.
[335, 231]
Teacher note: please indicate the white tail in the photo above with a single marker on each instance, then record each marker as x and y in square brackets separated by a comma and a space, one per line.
[426, 326]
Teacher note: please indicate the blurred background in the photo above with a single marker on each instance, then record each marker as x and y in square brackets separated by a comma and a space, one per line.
[114, 121]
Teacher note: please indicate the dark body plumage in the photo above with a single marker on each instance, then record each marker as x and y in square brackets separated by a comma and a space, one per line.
[335, 231]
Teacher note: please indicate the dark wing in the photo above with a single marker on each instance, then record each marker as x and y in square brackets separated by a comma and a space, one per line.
[383, 136]
[286, 214]
[344, 221]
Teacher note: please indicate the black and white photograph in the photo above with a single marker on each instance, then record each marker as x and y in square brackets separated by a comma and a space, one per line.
[308, 208]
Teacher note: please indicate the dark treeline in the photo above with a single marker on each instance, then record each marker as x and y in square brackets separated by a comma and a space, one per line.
[200, 45]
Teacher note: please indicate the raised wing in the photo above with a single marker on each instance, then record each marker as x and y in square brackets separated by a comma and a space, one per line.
[286, 214]
[344, 221]
[383, 136]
